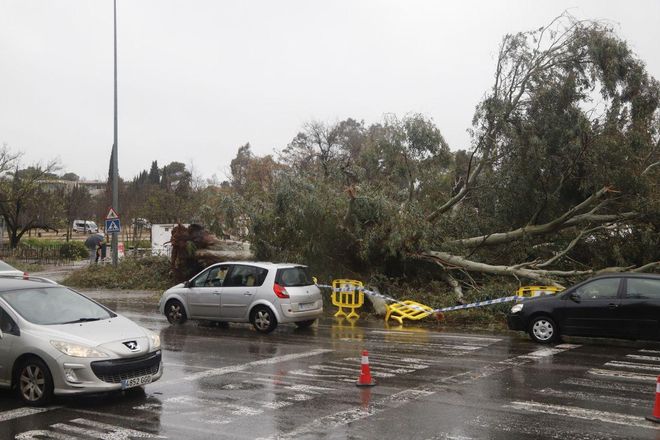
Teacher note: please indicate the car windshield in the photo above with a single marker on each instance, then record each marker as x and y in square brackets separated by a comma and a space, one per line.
[293, 276]
[54, 305]
[5, 266]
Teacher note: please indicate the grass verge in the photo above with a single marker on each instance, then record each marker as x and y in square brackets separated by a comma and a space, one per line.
[151, 273]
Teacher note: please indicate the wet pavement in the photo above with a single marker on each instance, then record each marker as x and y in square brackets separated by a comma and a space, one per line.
[229, 382]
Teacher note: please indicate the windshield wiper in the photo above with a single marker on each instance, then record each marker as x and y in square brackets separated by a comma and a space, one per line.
[82, 320]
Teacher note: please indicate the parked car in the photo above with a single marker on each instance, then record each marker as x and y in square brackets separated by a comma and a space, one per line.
[264, 294]
[9, 271]
[622, 305]
[85, 226]
[55, 341]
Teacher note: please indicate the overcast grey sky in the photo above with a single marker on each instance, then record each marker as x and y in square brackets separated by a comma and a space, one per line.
[198, 78]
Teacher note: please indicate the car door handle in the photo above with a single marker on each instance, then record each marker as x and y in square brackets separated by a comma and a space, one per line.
[612, 305]
[217, 292]
[247, 293]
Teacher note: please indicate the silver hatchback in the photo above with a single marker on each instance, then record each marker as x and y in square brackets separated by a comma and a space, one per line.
[264, 294]
[55, 341]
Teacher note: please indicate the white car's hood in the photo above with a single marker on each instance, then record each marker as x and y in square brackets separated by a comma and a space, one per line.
[94, 333]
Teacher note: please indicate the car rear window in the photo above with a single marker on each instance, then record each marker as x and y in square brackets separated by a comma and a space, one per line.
[293, 276]
[642, 288]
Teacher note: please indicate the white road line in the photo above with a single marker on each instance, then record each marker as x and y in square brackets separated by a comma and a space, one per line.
[171, 364]
[644, 358]
[633, 365]
[546, 352]
[241, 367]
[649, 351]
[634, 388]
[325, 424]
[583, 413]
[622, 375]
[435, 335]
[22, 412]
[591, 397]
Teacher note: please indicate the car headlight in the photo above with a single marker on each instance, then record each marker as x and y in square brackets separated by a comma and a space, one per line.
[76, 350]
[154, 339]
[516, 308]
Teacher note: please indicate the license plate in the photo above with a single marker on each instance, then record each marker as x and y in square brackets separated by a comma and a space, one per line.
[135, 382]
[306, 306]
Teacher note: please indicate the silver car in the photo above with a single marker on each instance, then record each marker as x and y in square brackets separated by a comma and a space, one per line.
[55, 341]
[264, 294]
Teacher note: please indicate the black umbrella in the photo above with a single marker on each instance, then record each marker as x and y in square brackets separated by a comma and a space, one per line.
[93, 241]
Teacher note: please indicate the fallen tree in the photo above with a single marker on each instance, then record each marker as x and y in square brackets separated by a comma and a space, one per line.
[194, 248]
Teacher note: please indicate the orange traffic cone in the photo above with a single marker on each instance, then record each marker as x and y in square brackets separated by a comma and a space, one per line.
[656, 409]
[365, 379]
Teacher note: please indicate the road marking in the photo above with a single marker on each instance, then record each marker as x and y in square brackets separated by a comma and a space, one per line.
[643, 358]
[609, 385]
[435, 335]
[96, 431]
[171, 364]
[633, 365]
[241, 367]
[649, 351]
[22, 412]
[591, 397]
[325, 424]
[582, 413]
[622, 375]
[546, 352]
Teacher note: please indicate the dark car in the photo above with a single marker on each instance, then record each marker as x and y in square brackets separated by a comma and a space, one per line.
[622, 305]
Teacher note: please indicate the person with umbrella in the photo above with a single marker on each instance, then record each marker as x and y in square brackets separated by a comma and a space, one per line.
[92, 244]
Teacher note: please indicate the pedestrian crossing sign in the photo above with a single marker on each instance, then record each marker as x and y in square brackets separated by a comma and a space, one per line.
[112, 225]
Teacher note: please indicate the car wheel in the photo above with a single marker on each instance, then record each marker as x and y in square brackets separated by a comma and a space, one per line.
[175, 312]
[543, 330]
[263, 319]
[305, 324]
[34, 382]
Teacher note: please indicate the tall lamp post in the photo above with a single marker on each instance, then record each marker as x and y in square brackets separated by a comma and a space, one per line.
[115, 171]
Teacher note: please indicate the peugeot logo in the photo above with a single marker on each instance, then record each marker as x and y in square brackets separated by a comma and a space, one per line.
[132, 345]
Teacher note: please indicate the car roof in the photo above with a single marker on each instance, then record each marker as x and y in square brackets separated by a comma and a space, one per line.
[12, 283]
[263, 264]
[627, 275]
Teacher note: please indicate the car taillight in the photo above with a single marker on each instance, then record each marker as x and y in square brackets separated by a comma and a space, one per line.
[280, 291]
[26, 276]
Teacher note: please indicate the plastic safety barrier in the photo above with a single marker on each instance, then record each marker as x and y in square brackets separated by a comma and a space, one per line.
[347, 294]
[533, 291]
[407, 310]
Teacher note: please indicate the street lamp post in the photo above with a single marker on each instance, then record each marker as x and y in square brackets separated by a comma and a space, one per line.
[115, 171]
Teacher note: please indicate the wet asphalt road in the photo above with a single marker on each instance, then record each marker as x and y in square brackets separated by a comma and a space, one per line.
[232, 383]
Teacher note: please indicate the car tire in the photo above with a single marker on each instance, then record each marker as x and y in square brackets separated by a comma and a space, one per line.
[34, 383]
[175, 312]
[543, 329]
[263, 319]
[305, 324]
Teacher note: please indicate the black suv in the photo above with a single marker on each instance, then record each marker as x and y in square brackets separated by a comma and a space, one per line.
[621, 305]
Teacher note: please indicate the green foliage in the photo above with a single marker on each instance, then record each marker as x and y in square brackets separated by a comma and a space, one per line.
[73, 250]
[152, 273]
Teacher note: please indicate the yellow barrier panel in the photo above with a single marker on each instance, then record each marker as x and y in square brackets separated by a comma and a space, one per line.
[532, 291]
[407, 309]
[347, 294]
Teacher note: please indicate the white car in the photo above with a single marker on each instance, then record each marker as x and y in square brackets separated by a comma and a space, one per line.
[9, 271]
[264, 294]
[55, 341]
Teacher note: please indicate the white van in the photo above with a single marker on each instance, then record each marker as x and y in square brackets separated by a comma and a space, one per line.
[85, 226]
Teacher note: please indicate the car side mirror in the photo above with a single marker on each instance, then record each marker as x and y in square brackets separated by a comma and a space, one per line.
[574, 296]
[186, 283]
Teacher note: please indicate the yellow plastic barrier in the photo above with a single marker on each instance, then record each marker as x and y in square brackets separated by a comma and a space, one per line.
[347, 294]
[408, 310]
[532, 291]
